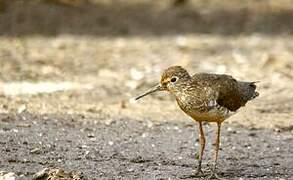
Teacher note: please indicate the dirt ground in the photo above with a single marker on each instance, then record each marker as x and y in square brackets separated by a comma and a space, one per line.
[69, 69]
[128, 149]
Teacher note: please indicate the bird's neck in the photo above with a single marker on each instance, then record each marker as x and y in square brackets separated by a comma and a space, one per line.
[179, 89]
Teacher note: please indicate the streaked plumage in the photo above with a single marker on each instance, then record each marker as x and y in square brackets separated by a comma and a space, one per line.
[209, 97]
[206, 97]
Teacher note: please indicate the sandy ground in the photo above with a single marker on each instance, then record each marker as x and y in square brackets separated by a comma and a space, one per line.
[128, 149]
[68, 72]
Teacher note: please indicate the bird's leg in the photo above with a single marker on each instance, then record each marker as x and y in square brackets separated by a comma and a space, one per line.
[201, 151]
[214, 167]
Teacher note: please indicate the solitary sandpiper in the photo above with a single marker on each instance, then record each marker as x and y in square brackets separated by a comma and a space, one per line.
[205, 97]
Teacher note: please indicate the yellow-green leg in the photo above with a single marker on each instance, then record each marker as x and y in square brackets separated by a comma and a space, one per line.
[202, 142]
[217, 144]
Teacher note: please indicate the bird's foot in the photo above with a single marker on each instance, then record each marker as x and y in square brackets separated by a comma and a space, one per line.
[199, 173]
[213, 175]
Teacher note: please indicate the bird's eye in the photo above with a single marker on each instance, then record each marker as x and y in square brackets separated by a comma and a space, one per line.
[173, 79]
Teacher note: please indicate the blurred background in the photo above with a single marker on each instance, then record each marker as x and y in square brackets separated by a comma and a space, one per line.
[90, 57]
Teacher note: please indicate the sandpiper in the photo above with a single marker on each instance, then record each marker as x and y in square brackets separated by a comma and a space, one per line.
[205, 97]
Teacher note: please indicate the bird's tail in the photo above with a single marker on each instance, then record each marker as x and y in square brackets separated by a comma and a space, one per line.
[249, 90]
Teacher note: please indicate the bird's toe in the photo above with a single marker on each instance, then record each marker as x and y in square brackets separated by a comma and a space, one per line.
[199, 173]
[214, 175]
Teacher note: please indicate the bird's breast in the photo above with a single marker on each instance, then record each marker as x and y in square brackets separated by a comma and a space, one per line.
[202, 111]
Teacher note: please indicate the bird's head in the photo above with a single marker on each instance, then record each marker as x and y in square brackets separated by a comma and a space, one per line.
[172, 80]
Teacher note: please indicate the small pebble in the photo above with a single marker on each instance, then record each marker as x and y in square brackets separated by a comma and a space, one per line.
[21, 108]
[110, 143]
[36, 151]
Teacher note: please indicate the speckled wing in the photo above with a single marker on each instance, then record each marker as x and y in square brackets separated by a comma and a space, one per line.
[197, 98]
[231, 94]
[200, 102]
